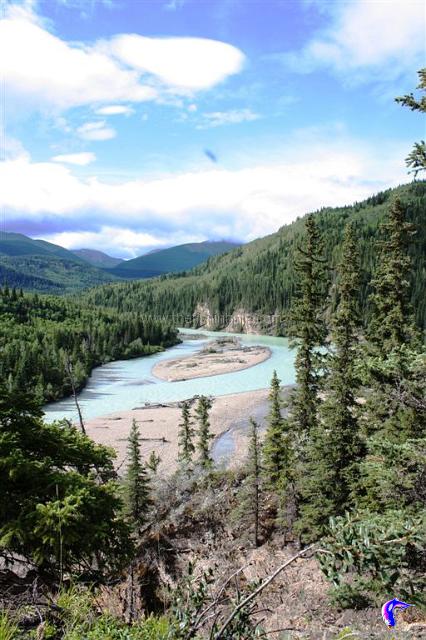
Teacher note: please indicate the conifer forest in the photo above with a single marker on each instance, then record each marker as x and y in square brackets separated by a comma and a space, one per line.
[115, 530]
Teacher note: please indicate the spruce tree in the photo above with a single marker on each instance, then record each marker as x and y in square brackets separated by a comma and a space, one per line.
[392, 323]
[394, 351]
[137, 480]
[204, 436]
[307, 329]
[153, 462]
[274, 446]
[250, 495]
[395, 373]
[186, 436]
[416, 161]
[334, 450]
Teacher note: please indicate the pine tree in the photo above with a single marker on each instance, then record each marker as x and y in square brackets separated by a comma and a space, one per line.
[137, 480]
[395, 373]
[334, 451]
[392, 323]
[250, 495]
[204, 436]
[186, 436]
[308, 331]
[274, 447]
[153, 462]
[416, 160]
[393, 353]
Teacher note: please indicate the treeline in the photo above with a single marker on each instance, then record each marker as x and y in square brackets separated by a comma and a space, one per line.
[261, 277]
[44, 340]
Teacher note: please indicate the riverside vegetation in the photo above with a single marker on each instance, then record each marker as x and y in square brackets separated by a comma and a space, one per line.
[41, 336]
[338, 483]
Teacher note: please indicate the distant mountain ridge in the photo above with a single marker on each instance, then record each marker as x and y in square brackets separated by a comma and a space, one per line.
[172, 260]
[241, 289]
[42, 266]
[97, 258]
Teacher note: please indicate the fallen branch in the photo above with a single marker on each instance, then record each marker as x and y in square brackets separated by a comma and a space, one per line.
[259, 589]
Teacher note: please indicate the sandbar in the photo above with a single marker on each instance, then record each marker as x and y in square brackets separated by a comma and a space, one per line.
[219, 356]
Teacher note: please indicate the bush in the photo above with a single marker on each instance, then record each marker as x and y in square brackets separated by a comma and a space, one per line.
[368, 556]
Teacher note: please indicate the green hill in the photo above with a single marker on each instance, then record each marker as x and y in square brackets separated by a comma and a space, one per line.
[258, 278]
[16, 244]
[172, 260]
[97, 258]
[38, 265]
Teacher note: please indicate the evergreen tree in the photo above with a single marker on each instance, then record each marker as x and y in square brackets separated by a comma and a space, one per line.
[393, 355]
[250, 495]
[395, 373]
[137, 480]
[275, 446]
[307, 329]
[331, 471]
[153, 462]
[416, 161]
[204, 436]
[392, 323]
[186, 435]
[59, 507]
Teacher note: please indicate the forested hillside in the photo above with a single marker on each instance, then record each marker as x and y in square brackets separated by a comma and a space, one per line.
[97, 258]
[44, 267]
[41, 335]
[171, 260]
[260, 276]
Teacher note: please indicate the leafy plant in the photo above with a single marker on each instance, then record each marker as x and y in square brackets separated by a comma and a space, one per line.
[370, 555]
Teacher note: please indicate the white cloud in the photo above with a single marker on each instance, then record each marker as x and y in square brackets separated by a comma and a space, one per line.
[367, 39]
[245, 203]
[96, 131]
[115, 110]
[36, 64]
[184, 63]
[235, 116]
[119, 241]
[82, 159]
[40, 68]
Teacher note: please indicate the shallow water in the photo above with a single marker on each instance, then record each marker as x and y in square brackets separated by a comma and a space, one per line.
[126, 384]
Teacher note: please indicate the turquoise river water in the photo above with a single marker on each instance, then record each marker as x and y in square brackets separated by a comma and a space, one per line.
[126, 384]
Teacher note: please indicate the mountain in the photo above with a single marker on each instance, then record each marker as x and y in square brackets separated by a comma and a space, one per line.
[180, 258]
[97, 258]
[16, 244]
[41, 266]
[240, 289]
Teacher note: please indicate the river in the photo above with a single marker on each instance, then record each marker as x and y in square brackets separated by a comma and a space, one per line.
[126, 384]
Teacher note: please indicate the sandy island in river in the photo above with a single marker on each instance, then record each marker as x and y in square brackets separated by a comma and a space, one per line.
[222, 355]
[159, 424]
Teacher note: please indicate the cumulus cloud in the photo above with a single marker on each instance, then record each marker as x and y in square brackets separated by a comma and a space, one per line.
[119, 241]
[366, 38]
[46, 71]
[82, 159]
[234, 116]
[49, 71]
[96, 131]
[185, 63]
[115, 110]
[214, 203]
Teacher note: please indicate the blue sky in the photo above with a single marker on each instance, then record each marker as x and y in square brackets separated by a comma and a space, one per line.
[111, 105]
